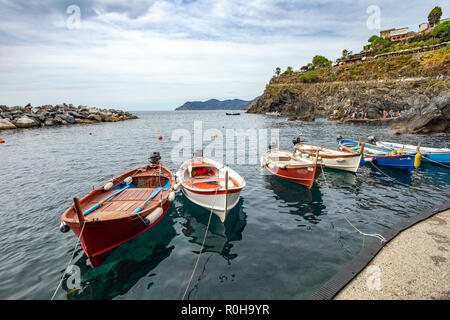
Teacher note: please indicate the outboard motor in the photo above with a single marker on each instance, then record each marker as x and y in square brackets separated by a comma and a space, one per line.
[372, 140]
[298, 139]
[154, 158]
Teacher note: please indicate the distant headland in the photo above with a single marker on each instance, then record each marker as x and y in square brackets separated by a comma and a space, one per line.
[214, 104]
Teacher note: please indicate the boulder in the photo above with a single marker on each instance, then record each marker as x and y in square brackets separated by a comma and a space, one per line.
[6, 124]
[24, 122]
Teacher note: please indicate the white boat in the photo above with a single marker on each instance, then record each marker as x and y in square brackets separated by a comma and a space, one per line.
[276, 113]
[210, 184]
[441, 155]
[335, 159]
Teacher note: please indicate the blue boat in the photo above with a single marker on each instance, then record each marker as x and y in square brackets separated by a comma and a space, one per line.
[441, 155]
[382, 156]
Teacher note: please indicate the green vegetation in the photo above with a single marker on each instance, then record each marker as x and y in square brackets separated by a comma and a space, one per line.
[442, 31]
[320, 61]
[309, 77]
[434, 16]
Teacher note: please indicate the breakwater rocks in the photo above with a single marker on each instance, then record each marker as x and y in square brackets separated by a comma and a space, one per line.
[62, 114]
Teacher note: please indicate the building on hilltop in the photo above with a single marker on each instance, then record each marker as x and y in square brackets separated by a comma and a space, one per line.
[402, 33]
[397, 34]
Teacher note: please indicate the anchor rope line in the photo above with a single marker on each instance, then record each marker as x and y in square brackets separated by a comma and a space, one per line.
[392, 177]
[201, 248]
[71, 258]
[376, 235]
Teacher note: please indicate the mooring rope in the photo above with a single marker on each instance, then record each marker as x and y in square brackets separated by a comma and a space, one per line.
[406, 185]
[201, 248]
[376, 235]
[73, 253]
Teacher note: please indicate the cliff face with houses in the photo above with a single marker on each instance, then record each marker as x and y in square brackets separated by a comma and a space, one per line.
[402, 83]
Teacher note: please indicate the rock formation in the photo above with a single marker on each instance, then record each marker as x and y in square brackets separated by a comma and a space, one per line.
[62, 114]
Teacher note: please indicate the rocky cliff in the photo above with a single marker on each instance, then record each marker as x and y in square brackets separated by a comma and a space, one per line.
[397, 83]
[63, 114]
[310, 99]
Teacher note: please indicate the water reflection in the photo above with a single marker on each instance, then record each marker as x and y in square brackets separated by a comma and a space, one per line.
[299, 200]
[220, 235]
[127, 264]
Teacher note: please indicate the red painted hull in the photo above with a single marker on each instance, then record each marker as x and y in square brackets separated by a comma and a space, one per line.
[304, 176]
[99, 240]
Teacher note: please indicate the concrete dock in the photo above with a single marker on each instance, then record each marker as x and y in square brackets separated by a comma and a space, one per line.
[412, 266]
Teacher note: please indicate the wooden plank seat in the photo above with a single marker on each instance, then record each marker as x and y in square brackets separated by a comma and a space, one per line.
[122, 204]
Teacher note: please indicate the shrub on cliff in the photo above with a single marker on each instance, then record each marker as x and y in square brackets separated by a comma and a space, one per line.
[442, 31]
[320, 61]
[309, 77]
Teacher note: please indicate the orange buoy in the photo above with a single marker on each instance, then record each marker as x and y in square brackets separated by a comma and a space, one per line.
[159, 137]
[2, 141]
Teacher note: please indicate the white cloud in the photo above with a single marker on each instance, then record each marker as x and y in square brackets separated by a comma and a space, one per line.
[158, 54]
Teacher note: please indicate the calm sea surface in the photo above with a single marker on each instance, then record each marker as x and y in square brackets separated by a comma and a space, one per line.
[282, 241]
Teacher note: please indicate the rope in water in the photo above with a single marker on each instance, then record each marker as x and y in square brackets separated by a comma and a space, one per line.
[201, 248]
[406, 185]
[376, 235]
[71, 258]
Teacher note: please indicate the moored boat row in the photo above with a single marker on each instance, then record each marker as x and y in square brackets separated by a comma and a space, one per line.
[135, 201]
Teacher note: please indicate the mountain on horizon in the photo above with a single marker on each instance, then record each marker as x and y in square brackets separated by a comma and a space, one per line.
[214, 104]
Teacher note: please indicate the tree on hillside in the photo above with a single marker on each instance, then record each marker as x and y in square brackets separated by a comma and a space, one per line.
[344, 53]
[278, 71]
[434, 16]
[320, 61]
[442, 31]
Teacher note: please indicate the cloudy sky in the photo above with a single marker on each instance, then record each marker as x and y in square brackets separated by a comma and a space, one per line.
[157, 54]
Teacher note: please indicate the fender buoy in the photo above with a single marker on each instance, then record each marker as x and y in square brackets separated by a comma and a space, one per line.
[171, 196]
[160, 137]
[108, 186]
[152, 217]
[417, 160]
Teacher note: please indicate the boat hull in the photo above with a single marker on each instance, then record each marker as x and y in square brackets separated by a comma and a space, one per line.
[210, 200]
[402, 162]
[98, 240]
[428, 154]
[303, 175]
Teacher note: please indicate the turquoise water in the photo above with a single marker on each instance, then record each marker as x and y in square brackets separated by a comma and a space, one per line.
[282, 241]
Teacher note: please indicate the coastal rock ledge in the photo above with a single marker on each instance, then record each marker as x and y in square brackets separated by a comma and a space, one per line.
[61, 114]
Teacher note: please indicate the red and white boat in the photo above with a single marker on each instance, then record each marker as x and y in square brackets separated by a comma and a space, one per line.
[210, 184]
[288, 165]
[121, 209]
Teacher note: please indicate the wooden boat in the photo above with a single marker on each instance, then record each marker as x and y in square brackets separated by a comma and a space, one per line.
[382, 156]
[441, 155]
[330, 158]
[288, 165]
[121, 209]
[210, 184]
[232, 113]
